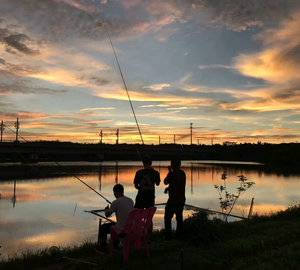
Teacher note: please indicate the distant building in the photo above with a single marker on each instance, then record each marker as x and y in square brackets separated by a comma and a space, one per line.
[227, 143]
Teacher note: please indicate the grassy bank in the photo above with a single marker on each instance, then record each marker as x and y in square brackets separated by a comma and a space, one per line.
[262, 242]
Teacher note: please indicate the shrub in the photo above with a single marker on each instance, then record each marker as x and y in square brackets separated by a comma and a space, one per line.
[200, 229]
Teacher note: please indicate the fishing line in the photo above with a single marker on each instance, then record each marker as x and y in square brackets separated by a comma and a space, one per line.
[64, 169]
[124, 83]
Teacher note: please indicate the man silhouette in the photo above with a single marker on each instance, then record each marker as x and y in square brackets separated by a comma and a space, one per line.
[144, 181]
[176, 179]
[122, 206]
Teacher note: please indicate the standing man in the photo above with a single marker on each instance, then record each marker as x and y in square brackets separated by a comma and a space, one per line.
[122, 206]
[144, 181]
[176, 179]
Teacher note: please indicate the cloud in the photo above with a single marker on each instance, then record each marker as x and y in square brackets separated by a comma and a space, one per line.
[274, 65]
[125, 123]
[165, 33]
[22, 69]
[69, 19]
[32, 116]
[182, 108]
[94, 80]
[157, 87]
[279, 61]
[167, 12]
[239, 15]
[24, 115]
[56, 65]
[150, 106]
[17, 41]
[54, 19]
[26, 87]
[115, 92]
[289, 93]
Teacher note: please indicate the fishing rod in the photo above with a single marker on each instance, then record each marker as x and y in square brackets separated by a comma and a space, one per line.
[96, 212]
[196, 208]
[132, 108]
[63, 169]
[124, 83]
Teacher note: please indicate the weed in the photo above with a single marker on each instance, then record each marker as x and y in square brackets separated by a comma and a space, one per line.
[227, 199]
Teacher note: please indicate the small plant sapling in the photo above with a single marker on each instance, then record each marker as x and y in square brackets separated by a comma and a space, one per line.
[227, 199]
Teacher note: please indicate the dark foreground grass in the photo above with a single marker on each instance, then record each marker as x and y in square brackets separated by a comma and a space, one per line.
[259, 243]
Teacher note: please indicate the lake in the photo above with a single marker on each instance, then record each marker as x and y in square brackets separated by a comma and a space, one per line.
[43, 205]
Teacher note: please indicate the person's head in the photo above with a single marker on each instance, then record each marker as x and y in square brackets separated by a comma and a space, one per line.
[147, 161]
[175, 163]
[118, 190]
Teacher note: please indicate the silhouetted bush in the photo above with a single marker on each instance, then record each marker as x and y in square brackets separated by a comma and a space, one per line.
[200, 229]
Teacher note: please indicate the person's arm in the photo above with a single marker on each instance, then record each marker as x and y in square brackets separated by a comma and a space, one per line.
[168, 177]
[136, 181]
[157, 181]
[108, 212]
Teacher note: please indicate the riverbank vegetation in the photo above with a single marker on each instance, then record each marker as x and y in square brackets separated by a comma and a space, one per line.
[284, 156]
[270, 241]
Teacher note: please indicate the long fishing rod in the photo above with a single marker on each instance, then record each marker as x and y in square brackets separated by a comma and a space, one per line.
[64, 169]
[124, 83]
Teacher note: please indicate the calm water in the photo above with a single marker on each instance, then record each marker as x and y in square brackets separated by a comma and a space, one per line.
[49, 210]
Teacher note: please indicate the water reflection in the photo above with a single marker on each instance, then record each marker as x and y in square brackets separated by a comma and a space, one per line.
[14, 198]
[48, 209]
[100, 174]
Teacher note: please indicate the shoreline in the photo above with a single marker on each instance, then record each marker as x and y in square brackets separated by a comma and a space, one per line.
[268, 242]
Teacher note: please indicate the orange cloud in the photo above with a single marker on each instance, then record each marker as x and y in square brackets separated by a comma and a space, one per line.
[112, 92]
[26, 116]
[268, 65]
[278, 62]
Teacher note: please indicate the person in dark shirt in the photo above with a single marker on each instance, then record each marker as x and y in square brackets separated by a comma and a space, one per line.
[145, 181]
[176, 179]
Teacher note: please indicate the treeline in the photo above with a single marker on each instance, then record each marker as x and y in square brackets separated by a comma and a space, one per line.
[284, 154]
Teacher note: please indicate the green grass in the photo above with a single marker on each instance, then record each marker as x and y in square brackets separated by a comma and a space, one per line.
[260, 243]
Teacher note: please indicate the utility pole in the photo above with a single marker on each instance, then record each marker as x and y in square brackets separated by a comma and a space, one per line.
[2, 129]
[17, 126]
[159, 139]
[198, 141]
[212, 141]
[174, 139]
[117, 141]
[191, 133]
[101, 136]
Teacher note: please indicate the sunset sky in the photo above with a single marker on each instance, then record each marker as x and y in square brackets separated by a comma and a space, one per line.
[230, 67]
